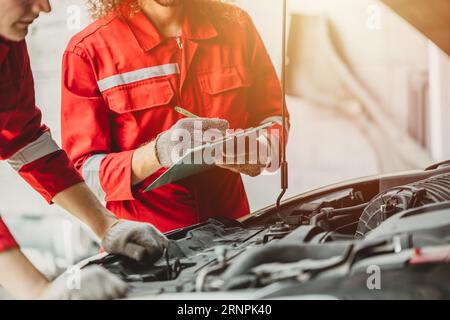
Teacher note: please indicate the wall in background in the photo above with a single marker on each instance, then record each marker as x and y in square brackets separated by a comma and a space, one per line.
[383, 50]
[439, 119]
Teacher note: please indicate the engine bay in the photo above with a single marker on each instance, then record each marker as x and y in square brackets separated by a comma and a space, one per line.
[325, 242]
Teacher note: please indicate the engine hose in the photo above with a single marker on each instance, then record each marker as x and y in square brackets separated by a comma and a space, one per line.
[281, 253]
[338, 212]
[432, 190]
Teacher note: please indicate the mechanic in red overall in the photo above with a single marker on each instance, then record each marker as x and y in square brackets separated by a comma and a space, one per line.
[26, 144]
[121, 79]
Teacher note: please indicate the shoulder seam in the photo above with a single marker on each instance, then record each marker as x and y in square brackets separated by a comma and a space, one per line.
[102, 25]
[81, 54]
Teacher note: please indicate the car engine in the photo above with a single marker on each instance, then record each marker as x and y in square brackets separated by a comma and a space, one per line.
[327, 242]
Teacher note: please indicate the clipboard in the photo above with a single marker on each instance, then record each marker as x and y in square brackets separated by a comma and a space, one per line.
[182, 169]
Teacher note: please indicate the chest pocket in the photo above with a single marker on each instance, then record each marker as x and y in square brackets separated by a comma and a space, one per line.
[225, 94]
[140, 96]
[224, 80]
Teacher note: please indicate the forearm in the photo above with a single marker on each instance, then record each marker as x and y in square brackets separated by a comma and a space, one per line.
[145, 163]
[83, 204]
[19, 277]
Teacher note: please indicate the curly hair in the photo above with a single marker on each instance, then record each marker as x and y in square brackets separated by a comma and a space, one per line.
[101, 8]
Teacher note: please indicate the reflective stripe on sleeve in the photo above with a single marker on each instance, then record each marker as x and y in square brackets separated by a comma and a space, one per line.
[41, 147]
[91, 175]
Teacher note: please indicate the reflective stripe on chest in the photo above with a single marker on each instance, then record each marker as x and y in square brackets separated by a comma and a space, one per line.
[138, 75]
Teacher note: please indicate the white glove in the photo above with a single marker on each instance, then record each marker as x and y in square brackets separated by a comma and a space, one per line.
[92, 283]
[190, 131]
[136, 240]
[249, 161]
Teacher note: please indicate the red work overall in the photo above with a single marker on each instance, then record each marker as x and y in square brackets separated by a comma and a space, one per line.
[25, 143]
[121, 82]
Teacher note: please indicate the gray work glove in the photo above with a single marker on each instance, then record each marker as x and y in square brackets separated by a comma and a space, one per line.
[136, 240]
[187, 133]
[91, 283]
[238, 161]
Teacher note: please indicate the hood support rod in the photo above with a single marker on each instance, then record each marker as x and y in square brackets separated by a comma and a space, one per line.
[284, 164]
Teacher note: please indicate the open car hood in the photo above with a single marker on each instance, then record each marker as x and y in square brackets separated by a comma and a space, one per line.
[430, 17]
[318, 245]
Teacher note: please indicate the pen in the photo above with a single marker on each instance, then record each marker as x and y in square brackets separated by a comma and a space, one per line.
[185, 113]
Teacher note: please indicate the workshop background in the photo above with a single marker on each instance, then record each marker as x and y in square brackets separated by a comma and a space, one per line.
[367, 94]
